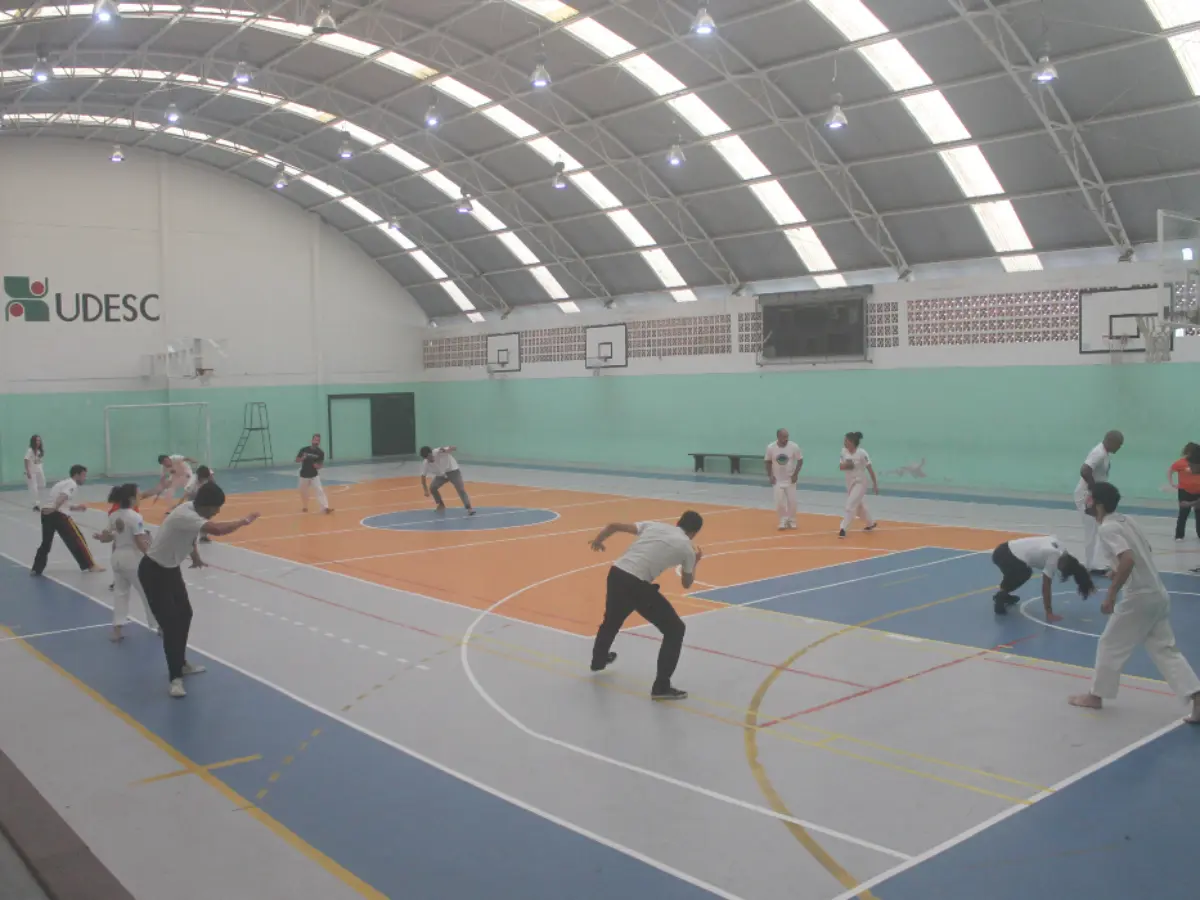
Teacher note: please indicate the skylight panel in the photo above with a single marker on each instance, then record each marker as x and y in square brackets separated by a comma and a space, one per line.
[456, 294]
[570, 306]
[936, 117]
[895, 65]
[291, 29]
[548, 282]
[361, 209]
[662, 266]
[741, 158]
[348, 44]
[1004, 229]
[411, 67]
[829, 281]
[591, 187]
[1187, 51]
[510, 122]
[1025, 262]
[600, 38]
[972, 171]
[360, 134]
[1173, 13]
[551, 10]
[631, 228]
[552, 153]
[851, 18]
[652, 75]
[443, 184]
[810, 249]
[487, 218]
[777, 203]
[402, 156]
[464, 94]
[685, 296]
[299, 109]
[698, 114]
[396, 236]
[475, 317]
[518, 248]
[427, 263]
[325, 188]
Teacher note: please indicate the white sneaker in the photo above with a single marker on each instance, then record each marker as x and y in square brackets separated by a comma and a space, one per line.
[791, 524]
[783, 524]
[177, 688]
[189, 669]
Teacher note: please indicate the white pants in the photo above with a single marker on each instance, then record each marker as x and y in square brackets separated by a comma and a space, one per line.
[308, 485]
[175, 483]
[36, 482]
[785, 501]
[1141, 621]
[1094, 555]
[856, 505]
[125, 578]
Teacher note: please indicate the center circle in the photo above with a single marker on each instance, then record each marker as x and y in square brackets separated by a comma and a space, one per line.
[486, 518]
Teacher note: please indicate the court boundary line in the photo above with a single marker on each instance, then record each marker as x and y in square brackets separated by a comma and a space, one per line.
[983, 826]
[395, 745]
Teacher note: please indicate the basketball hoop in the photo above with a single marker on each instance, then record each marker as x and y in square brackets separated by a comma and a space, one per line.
[1117, 345]
[1157, 335]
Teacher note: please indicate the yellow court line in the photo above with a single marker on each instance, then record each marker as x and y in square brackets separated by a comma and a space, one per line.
[281, 831]
[178, 773]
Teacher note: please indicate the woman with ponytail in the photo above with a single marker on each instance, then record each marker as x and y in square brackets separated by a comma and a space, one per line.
[1017, 560]
[127, 533]
[857, 465]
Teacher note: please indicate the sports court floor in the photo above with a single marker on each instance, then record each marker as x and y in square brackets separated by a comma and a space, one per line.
[399, 705]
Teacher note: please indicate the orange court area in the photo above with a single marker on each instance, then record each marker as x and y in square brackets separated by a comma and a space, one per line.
[560, 579]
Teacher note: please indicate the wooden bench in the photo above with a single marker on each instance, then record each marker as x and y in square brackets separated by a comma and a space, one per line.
[735, 460]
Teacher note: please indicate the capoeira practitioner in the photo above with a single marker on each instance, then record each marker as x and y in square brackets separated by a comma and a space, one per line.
[784, 460]
[1093, 472]
[176, 473]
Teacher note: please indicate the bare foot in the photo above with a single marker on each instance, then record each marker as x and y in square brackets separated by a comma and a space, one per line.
[1194, 718]
[328, 510]
[305, 509]
[1053, 617]
[116, 635]
[96, 570]
[1086, 701]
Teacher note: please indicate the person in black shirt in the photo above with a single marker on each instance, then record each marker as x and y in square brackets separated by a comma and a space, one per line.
[311, 459]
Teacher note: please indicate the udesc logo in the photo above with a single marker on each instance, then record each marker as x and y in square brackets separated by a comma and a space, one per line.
[27, 299]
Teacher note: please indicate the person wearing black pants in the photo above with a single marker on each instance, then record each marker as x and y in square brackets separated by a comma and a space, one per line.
[56, 520]
[1017, 561]
[1187, 481]
[162, 580]
[631, 589]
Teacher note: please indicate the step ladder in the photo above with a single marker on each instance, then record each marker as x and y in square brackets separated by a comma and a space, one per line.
[255, 420]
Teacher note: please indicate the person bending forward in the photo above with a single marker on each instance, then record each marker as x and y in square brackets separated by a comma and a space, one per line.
[631, 589]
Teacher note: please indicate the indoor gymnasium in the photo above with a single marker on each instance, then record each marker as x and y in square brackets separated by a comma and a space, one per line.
[458, 449]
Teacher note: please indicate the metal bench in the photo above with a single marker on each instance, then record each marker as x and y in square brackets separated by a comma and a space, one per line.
[735, 460]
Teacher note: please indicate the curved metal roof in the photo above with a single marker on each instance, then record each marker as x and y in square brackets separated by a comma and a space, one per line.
[952, 148]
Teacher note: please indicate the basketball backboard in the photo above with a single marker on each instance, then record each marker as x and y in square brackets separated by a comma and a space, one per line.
[503, 353]
[605, 347]
[1108, 318]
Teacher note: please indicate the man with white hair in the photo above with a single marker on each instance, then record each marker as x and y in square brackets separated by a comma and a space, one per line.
[784, 460]
[1095, 471]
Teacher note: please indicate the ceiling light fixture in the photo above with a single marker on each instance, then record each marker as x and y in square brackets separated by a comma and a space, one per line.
[703, 25]
[541, 75]
[104, 11]
[464, 204]
[117, 156]
[281, 178]
[393, 223]
[172, 113]
[432, 118]
[324, 23]
[1045, 71]
[837, 117]
[559, 182]
[42, 72]
[241, 73]
[346, 150]
[675, 156]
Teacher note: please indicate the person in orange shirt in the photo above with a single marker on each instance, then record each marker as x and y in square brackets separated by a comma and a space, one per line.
[1184, 475]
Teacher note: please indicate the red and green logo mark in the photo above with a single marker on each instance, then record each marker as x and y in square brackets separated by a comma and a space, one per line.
[25, 299]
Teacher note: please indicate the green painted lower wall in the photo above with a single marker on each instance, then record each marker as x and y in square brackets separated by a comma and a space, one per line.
[72, 424]
[1023, 429]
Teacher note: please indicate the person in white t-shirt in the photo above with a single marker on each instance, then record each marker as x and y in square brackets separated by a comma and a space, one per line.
[631, 589]
[176, 473]
[443, 468]
[783, 462]
[127, 533]
[1018, 560]
[1142, 615]
[35, 473]
[856, 464]
[162, 580]
[57, 520]
[1095, 471]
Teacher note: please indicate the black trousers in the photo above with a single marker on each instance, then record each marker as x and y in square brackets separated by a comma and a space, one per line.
[64, 526]
[1013, 572]
[167, 595]
[1181, 522]
[626, 595]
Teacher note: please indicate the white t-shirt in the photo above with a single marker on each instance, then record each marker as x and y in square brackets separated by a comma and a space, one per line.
[1119, 533]
[857, 475]
[657, 548]
[34, 459]
[176, 467]
[783, 460]
[67, 487]
[440, 463]
[177, 536]
[125, 525]
[1039, 553]
[1098, 461]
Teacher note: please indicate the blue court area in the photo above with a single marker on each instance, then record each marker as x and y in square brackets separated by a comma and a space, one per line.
[404, 826]
[486, 518]
[1108, 835]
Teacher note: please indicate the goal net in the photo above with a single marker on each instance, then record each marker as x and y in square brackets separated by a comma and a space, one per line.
[135, 436]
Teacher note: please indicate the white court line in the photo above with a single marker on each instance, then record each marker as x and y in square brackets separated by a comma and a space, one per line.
[26, 637]
[1024, 608]
[1000, 817]
[466, 779]
[465, 656]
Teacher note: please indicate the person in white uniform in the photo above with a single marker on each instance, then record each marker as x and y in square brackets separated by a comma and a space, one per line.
[784, 460]
[443, 468]
[35, 473]
[127, 533]
[856, 464]
[1018, 560]
[1095, 471]
[1141, 616]
[631, 588]
[176, 473]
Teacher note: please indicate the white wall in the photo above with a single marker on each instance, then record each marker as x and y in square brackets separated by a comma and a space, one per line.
[298, 302]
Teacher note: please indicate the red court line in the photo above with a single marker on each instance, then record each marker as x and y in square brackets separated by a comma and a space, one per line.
[915, 675]
[1079, 675]
[756, 662]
